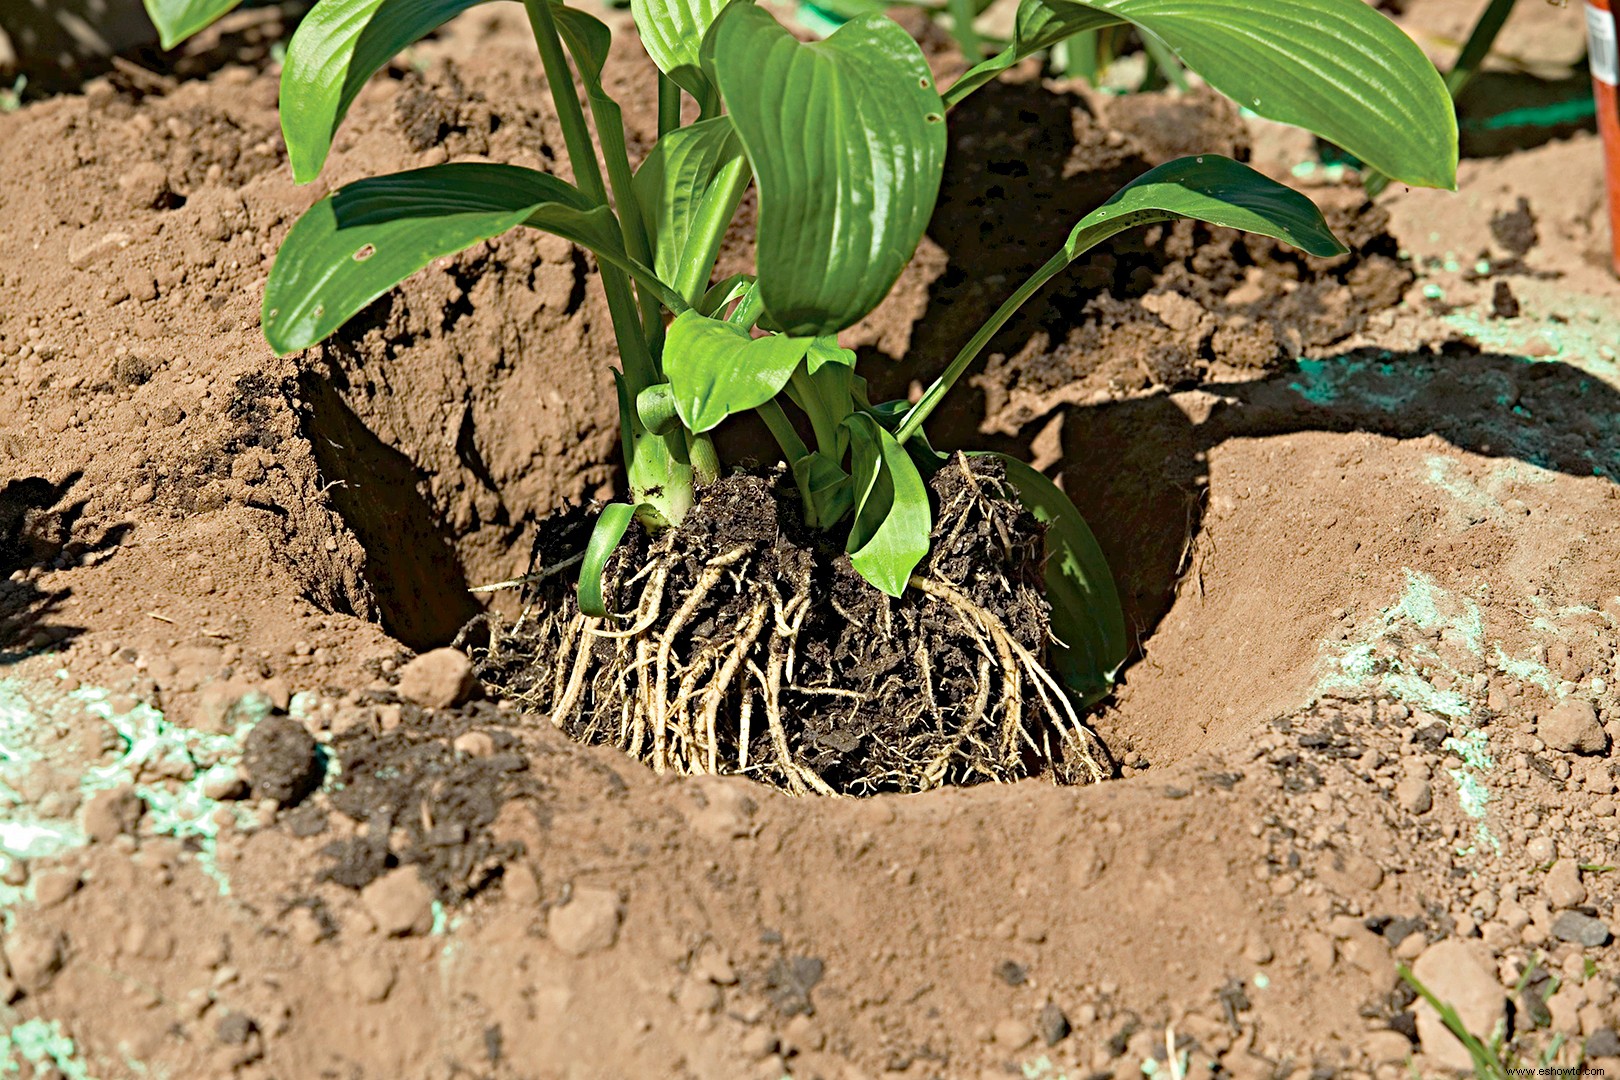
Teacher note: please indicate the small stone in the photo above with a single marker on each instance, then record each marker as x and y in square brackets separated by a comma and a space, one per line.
[372, 977]
[724, 807]
[717, 967]
[478, 744]
[283, 763]
[35, 953]
[1362, 871]
[54, 886]
[1563, 888]
[145, 186]
[112, 813]
[758, 1044]
[1414, 795]
[1386, 1047]
[1052, 1025]
[234, 1029]
[1455, 974]
[588, 923]
[440, 679]
[1012, 1033]
[400, 903]
[1541, 849]
[223, 782]
[698, 996]
[227, 705]
[1603, 1043]
[1581, 929]
[1572, 726]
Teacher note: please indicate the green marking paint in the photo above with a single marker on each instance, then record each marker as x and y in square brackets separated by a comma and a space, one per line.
[38, 1042]
[150, 748]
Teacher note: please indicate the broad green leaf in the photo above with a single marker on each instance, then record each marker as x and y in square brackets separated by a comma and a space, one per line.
[846, 138]
[1337, 68]
[1086, 616]
[365, 238]
[605, 536]
[717, 369]
[686, 178]
[177, 20]
[339, 45]
[892, 517]
[672, 33]
[342, 43]
[1215, 189]
[1208, 187]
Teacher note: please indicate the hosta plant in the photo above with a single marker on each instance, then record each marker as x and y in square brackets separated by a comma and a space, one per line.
[669, 654]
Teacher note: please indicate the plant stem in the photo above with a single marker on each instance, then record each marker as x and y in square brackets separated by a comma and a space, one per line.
[640, 370]
[1079, 242]
[822, 422]
[669, 105]
[962, 13]
[787, 436]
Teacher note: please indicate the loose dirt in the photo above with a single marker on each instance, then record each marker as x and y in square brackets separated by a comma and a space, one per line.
[1362, 514]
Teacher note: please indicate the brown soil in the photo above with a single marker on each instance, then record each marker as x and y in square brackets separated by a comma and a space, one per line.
[1362, 584]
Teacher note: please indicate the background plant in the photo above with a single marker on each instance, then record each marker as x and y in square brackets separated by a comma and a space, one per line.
[845, 140]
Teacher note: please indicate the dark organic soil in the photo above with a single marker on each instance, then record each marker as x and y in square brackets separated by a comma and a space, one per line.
[864, 694]
[1372, 589]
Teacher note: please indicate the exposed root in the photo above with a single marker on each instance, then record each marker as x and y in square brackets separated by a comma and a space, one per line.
[746, 649]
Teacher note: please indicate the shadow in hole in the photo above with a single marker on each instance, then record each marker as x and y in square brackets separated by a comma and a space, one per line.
[37, 532]
[1011, 192]
[1137, 470]
[411, 563]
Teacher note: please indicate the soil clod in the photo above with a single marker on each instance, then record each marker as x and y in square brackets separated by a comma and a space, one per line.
[283, 762]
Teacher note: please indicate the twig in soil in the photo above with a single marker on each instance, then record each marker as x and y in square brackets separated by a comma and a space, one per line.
[529, 579]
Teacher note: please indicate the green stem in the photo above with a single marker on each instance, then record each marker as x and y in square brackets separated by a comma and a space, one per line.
[793, 448]
[749, 309]
[640, 370]
[1081, 241]
[822, 422]
[967, 38]
[669, 105]
[787, 436]
[587, 171]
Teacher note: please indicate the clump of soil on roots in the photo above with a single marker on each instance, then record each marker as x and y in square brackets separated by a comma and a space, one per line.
[747, 644]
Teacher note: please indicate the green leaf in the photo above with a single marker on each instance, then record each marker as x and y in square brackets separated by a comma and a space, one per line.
[846, 138]
[605, 536]
[892, 517]
[1215, 189]
[177, 20]
[339, 45]
[1206, 188]
[684, 179]
[1337, 68]
[362, 240]
[826, 488]
[826, 350]
[672, 33]
[1086, 616]
[342, 43]
[717, 369]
